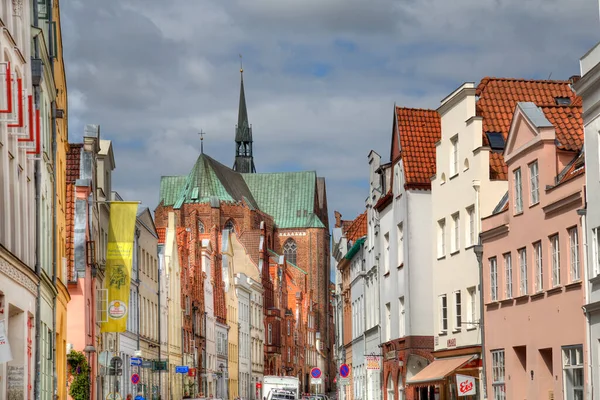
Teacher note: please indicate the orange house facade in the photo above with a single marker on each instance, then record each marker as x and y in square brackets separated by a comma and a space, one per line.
[533, 260]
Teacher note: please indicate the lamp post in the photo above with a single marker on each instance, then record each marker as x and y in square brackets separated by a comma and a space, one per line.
[89, 350]
[478, 249]
[222, 379]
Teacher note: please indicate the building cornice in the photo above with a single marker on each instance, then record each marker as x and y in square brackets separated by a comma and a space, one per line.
[494, 232]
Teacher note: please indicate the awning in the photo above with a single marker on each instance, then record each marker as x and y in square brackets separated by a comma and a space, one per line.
[439, 369]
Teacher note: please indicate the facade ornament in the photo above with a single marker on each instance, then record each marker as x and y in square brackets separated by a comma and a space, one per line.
[17, 7]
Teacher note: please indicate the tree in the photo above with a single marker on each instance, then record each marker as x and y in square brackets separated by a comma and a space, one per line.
[79, 375]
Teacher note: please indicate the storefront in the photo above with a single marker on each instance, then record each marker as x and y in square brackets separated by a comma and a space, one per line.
[451, 377]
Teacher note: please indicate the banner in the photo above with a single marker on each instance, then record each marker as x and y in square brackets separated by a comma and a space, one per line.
[373, 363]
[119, 257]
[5, 354]
[465, 385]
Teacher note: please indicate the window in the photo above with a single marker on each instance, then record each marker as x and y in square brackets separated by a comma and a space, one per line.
[534, 192]
[386, 254]
[555, 253]
[471, 306]
[388, 322]
[200, 227]
[270, 334]
[539, 267]
[289, 250]
[498, 385]
[523, 272]
[229, 226]
[458, 312]
[508, 294]
[390, 387]
[596, 251]
[471, 241]
[402, 321]
[455, 232]
[400, 244]
[518, 192]
[574, 245]
[443, 314]
[441, 238]
[493, 279]
[289, 328]
[454, 156]
[573, 372]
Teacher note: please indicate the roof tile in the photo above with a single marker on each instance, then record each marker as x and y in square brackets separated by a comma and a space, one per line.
[358, 228]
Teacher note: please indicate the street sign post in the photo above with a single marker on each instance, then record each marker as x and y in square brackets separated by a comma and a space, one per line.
[136, 362]
[315, 377]
[182, 369]
[344, 370]
[135, 379]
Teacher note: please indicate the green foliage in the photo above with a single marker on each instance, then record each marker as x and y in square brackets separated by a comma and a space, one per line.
[80, 373]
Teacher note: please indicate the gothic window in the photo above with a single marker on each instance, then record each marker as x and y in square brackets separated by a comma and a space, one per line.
[289, 250]
[229, 225]
[200, 227]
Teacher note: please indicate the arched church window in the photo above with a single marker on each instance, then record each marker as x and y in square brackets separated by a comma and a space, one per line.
[289, 250]
[201, 227]
[229, 225]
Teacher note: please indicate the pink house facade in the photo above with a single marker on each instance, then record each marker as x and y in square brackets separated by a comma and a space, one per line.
[533, 261]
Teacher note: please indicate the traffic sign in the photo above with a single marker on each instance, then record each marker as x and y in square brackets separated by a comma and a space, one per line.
[136, 362]
[135, 379]
[344, 370]
[182, 369]
[315, 373]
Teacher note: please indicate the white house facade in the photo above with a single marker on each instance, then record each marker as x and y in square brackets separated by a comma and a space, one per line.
[244, 291]
[357, 291]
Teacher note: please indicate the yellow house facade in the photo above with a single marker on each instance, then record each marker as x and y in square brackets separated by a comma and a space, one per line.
[232, 315]
[62, 145]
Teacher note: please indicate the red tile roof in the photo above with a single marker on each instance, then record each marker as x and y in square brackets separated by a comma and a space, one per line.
[419, 130]
[497, 101]
[162, 233]
[73, 161]
[358, 228]
[568, 123]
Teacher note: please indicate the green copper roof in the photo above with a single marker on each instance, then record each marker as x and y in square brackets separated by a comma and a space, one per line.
[354, 249]
[289, 197]
[170, 187]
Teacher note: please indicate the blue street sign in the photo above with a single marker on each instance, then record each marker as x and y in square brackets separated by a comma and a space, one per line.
[136, 361]
[183, 369]
[139, 397]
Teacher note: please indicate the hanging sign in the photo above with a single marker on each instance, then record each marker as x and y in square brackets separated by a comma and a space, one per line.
[465, 385]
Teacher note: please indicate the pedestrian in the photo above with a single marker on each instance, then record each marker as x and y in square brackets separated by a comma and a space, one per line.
[129, 397]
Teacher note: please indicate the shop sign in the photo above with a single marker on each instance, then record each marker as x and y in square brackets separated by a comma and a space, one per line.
[465, 385]
[373, 363]
[390, 355]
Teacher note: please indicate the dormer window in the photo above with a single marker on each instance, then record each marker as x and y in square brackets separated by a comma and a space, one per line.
[496, 141]
[562, 101]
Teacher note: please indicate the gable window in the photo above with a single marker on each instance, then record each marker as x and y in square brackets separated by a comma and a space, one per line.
[471, 227]
[508, 275]
[534, 183]
[458, 312]
[289, 250]
[555, 253]
[518, 191]
[441, 238]
[229, 226]
[539, 268]
[400, 244]
[523, 272]
[455, 232]
[574, 245]
[573, 372]
[498, 385]
[443, 314]
[454, 156]
[493, 279]
[201, 228]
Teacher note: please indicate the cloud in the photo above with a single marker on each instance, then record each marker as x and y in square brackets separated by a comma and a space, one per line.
[321, 77]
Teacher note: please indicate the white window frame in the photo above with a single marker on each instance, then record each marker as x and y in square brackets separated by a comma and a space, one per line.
[400, 244]
[441, 237]
[518, 191]
[454, 156]
[498, 375]
[534, 183]
[574, 247]
[443, 313]
[472, 306]
[455, 232]
[508, 277]
[388, 322]
[471, 227]
[493, 279]
[595, 251]
[386, 254]
[572, 363]
[402, 321]
[102, 305]
[457, 310]
[523, 284]
[539, 266]
[555, 259]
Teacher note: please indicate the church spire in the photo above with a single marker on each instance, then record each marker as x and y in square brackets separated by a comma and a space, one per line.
[244, 161]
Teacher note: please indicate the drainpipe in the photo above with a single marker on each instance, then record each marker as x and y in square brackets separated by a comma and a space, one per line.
[478, 249]
[588, 378]
[161, 268]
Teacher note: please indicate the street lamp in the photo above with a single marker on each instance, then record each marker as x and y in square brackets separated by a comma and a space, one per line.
[89, 350]
[478, 249]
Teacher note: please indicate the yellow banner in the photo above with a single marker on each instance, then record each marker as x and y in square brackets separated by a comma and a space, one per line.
[119, 257]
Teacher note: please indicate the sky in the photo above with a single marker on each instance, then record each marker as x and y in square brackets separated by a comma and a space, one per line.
[321, 76]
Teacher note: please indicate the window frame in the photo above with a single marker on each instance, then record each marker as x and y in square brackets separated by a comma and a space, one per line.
[498, 374]
[455, 232]
[441, 238]
[518, 191]
[454, 156]
[534, 183]
[567, 366]
[523, 272]
[575, 259]
[555, 259]
[539, 266]
[508, 276]
[457, 310]
[493, 278]
[443, 308]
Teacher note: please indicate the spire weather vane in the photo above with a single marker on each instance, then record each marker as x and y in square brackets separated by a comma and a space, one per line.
[202, 133]
[241, 64]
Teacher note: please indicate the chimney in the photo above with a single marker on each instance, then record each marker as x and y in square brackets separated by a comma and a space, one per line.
[573, 79]
[338, 219]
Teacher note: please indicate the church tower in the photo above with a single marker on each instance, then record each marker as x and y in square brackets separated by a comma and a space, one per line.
[244, 161]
